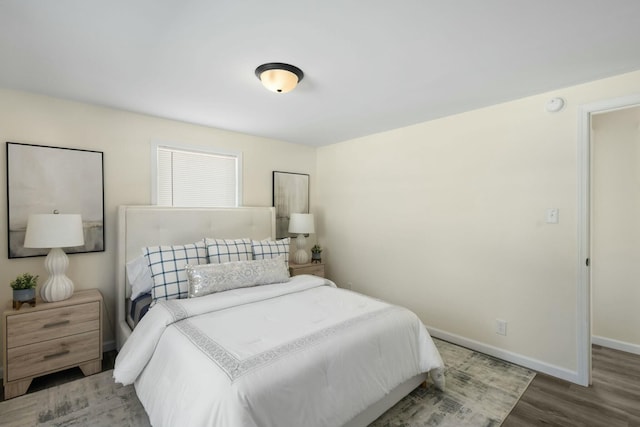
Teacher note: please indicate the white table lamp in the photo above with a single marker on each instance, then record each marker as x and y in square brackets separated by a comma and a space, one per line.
[301, 224]
[55, 231]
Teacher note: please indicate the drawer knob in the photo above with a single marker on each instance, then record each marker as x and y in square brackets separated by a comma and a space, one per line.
[60, 353]
[54, 324]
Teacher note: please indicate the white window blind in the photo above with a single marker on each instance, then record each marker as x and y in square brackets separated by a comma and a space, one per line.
[196, 178]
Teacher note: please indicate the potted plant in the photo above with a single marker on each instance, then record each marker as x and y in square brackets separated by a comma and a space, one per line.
[24, 290]
[316, 253]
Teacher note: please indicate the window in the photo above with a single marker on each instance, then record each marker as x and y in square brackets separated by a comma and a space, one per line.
[195, 177]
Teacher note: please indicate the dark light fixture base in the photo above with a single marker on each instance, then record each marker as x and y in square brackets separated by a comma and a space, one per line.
[279, 66]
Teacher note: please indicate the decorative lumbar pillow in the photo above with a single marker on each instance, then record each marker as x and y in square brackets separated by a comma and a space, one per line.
[139, 275]
[167, 268]
[209, 278]
[264, 249]
[227, 250]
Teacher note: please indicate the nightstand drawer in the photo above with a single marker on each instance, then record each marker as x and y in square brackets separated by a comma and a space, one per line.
[316, 269]
[42, 357]
[50, 324]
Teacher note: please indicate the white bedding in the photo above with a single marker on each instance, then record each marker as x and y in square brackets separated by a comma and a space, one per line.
[301, 353]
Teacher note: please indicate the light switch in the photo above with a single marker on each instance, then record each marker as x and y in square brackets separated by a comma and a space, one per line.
[553, 215]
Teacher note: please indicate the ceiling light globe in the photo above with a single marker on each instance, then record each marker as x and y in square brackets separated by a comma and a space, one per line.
[279, 77]
[281, 81]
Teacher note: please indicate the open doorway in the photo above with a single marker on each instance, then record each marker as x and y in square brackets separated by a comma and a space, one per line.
[588, 234]
[615, 229]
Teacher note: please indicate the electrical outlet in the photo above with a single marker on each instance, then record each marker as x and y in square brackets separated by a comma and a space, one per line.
[501, 327]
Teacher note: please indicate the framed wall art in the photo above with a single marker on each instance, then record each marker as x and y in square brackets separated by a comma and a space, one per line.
[290, 195]
[43, 179]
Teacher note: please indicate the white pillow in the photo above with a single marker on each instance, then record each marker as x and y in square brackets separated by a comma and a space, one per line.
[167, 268]
[264, 249]
[227, 250]
[139, 275]
[209, 278]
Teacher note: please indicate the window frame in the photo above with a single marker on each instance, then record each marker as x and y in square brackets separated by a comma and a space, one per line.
[155, 145]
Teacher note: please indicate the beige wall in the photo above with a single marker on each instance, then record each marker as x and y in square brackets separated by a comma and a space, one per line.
[615, 238]
[125, 140]
[445, 217]
[448, 218]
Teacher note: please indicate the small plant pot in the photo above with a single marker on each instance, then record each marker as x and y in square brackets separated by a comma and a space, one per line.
[316, 257]
[24, 296]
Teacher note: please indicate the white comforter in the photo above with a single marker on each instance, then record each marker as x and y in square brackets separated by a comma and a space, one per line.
[301, 353]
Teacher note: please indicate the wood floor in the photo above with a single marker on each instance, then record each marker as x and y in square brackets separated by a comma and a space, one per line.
[612, 400]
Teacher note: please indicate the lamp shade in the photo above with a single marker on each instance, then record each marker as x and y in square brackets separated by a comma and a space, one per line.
[300, 223]
[54, 231]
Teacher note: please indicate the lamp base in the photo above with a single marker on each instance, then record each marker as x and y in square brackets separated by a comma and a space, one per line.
[58, 286]
[301, 256]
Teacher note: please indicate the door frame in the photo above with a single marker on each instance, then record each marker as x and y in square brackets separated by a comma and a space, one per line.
[584, 225]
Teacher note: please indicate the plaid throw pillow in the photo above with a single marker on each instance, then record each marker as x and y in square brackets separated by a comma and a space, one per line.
[227, 250]
[167, 265]
[263, 249]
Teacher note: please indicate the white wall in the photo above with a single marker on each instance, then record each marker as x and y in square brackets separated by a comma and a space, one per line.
[125, 140]
[447, 217]
[615, 235]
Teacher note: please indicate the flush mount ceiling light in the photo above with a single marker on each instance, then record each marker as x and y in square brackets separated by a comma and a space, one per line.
[279, 77]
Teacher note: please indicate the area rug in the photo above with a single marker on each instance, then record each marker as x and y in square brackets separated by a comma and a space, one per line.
[92, 401]
[480, 391]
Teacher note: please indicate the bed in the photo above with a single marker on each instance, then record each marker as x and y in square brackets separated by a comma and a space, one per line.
[300, 351]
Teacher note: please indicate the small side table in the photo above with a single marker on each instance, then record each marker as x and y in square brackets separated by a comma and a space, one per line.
[316, 269]
[51, 337]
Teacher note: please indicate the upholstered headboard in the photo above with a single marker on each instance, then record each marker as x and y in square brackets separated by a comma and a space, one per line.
[141, 226]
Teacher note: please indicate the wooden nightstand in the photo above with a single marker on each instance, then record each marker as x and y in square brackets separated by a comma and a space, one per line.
[51, 337]
[317, 269]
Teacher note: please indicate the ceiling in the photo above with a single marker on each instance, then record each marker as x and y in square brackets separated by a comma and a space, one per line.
[370, 65]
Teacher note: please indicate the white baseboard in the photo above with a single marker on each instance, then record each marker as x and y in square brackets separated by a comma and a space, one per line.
[616, 345]
[106, 346]
[518, 359]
